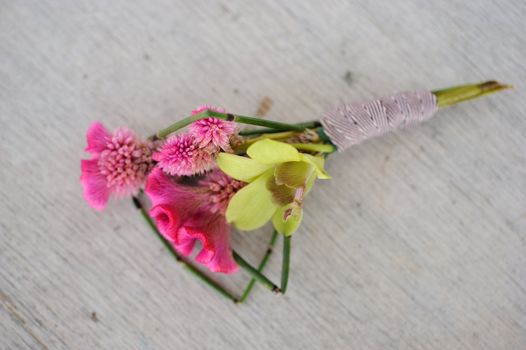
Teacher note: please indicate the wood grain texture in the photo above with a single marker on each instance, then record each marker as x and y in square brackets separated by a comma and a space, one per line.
[418, 242]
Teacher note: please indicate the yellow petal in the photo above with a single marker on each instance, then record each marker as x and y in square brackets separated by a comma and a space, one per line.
[293, 174]
[287, 219]
[281, 194]
[240, 168]
[252, 206]
[310, 183]
[273, 152]
[314, 147]
[318, 163]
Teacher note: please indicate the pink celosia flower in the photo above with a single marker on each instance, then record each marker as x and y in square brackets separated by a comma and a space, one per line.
[181, 155]
[219, 189]
[119, 164]
[212, 132]
[186, 213]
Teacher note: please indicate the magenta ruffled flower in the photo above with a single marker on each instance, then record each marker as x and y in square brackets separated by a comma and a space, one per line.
[212, 133]
[187, 213]
[181, 156]
[119, 164]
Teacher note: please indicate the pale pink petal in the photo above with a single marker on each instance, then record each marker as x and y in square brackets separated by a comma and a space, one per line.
[220, 189]
[207, 107]
[96, 191]
[163, 189]
[205, 257]
[125, 162]
[168, 221]
[213, 133]
[186, 213]
[158, 187]
[172, 203]
[181, 155]
[213, 232]
[185, 244]
[97, 137]
[119, 164]
[186, 240]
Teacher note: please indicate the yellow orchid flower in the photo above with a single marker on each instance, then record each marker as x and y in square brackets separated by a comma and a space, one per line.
[279, 177]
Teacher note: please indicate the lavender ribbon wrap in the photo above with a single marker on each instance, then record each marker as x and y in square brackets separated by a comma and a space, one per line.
[350, 124]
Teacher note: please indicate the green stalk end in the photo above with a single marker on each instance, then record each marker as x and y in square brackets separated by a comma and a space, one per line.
[451, 96]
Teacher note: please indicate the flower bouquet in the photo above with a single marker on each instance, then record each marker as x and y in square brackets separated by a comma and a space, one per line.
[214, 175]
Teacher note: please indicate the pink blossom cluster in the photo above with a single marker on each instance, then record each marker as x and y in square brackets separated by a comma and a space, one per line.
[119, 164]
[194, 152]
[185, 211]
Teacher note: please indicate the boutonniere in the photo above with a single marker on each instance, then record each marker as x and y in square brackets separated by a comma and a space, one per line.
[203, 175]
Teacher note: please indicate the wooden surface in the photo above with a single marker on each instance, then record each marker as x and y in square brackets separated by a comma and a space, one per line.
[418, 242]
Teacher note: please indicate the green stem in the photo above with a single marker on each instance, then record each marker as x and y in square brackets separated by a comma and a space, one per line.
[453, 95]
[255, 273]
[261, 266]
[272, 136]
[285, 264]
[194, 270]
[230, 117]
[305, 125]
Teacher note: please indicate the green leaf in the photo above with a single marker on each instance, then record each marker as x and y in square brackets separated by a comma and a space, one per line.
[318, 163]
[272, 152]
[287, 219]
[240, 168]
[252, 206]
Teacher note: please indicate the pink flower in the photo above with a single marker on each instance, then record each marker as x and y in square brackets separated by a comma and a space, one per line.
[205, 107]
[212, 132]
[186, 213]
[181, 155]
[219, 189]
[119, 164]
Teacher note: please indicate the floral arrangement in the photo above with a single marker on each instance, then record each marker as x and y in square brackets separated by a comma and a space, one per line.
[213, 176]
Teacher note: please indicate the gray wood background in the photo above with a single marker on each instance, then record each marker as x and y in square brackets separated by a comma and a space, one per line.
[418, 242]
